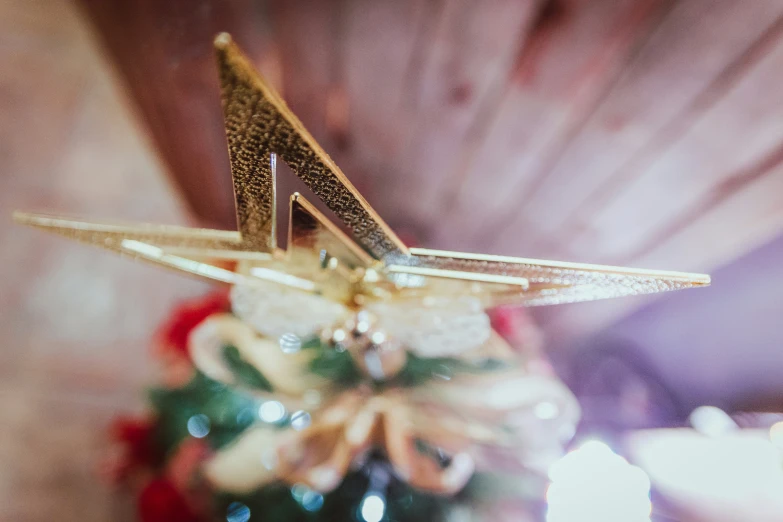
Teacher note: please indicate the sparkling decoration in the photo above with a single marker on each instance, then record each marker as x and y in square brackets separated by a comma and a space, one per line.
[324, 270]
[377, 354]
[349, 365]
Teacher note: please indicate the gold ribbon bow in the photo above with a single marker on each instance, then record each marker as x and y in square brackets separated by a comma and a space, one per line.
[433, 435]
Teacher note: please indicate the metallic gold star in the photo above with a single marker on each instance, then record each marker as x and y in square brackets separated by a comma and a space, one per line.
[320, 258]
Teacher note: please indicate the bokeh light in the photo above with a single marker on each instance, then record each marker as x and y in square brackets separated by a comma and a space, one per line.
[290, 343]
[546, 410]
[271, 412]
[309, 499]
[300, 420]
[312, 500]
[237, 512]
[594, 483]
[199, 426]
[372, 508]
[712, 421]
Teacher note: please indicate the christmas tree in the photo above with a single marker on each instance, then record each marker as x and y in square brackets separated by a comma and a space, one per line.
[336, 427]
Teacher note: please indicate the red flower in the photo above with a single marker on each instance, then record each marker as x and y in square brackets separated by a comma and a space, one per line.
[173, 335]
[160, 501]
[134, 436]
[516, 326]
[505, 321]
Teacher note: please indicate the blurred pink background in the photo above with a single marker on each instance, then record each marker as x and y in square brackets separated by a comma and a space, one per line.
[646, 133]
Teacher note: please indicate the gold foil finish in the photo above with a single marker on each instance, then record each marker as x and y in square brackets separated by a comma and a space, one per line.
[372, 264]
[258, 123]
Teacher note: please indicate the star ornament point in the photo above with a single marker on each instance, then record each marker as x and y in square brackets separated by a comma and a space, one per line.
[371, 262]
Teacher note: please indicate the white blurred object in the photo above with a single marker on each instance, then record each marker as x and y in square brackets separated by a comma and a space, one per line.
[776, 435]
[712, 421]
[436, 326]
[594, 483]
[276, 310]
[729, 478]
[271, 412]
[372, 508]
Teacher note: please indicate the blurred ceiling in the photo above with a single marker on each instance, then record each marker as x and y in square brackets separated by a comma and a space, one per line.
[638, 132]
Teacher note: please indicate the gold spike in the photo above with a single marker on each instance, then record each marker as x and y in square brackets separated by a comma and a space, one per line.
[158, 244]
[110, 235]
[553, 282]
[259, 123]
[174, 240]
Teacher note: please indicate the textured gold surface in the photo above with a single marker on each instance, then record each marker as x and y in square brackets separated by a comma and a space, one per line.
[372, 264]
[258, 123]
[553, 282]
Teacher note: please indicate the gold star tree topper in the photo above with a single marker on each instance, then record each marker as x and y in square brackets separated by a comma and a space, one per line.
[372, 265]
